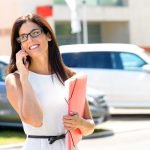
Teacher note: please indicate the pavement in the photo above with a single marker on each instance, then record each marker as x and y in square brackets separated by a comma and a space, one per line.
[11, 146]
[130, 133]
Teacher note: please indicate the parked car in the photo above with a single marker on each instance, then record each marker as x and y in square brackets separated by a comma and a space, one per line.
[98, 105]
[121, 70]
[8, 117]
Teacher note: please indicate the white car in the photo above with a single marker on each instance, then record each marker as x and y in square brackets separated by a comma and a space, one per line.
[121, 70]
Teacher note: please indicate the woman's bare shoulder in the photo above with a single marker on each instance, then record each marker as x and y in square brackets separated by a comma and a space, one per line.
[12, 79]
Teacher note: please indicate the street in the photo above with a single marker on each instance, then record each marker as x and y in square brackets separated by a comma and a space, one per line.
[130, 133]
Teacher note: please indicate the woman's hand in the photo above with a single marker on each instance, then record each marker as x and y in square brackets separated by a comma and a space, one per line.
[22, 68]
[72, 121]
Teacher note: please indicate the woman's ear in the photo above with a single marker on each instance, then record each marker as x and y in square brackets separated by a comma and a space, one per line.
[49, 37]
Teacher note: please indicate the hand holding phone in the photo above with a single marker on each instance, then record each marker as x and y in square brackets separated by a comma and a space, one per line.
[26, 59]
[22, 62]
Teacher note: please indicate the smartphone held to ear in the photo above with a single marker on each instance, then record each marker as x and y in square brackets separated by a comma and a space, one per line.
[26, 59]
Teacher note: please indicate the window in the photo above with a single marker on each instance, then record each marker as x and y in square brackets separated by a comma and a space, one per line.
[63, 32]
[131, 61]
[88, 60]
[59, 2]
[117, 62]
[64, 35]
[97, 2]
[113, 2]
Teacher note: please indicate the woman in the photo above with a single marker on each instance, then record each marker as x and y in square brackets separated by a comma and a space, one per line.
[35, 86]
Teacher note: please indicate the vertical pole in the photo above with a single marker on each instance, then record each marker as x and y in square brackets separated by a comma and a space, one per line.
[85, 29]
[78, 38]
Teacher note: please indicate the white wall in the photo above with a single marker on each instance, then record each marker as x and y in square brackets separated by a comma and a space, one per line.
[140, 22]
[96, 13]
[8, 13]
[115, 32]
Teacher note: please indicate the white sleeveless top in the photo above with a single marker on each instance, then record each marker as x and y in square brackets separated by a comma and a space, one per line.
[51, 94]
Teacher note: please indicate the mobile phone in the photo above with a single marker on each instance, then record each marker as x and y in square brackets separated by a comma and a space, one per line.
[26, 59]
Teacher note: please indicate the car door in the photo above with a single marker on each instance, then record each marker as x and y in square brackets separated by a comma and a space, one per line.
[132, 83]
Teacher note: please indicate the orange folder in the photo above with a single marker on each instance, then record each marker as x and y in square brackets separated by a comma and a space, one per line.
[76, 95]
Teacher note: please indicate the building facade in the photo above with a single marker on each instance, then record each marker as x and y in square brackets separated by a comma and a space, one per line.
[113, 21]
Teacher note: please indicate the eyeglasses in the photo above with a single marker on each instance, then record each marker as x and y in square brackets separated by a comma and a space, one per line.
[24, 37]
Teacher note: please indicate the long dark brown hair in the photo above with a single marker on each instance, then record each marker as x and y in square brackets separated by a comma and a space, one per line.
[55, 60]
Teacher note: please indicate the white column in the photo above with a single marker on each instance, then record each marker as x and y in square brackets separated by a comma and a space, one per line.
[85, 28]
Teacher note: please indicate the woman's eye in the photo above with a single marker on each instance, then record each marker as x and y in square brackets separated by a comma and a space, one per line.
[23, 37]
[35, 33]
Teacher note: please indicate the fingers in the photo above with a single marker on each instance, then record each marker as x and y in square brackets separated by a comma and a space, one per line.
[21, 53]
[69, 125]
[73, 113]
[25, 62]
[21, 63]
[20, 56]
[72, 121]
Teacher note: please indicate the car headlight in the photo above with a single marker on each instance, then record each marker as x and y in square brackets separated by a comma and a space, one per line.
[101, 100]
[91, 100]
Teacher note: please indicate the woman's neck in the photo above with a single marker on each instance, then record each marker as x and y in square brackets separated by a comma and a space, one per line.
[40, 65]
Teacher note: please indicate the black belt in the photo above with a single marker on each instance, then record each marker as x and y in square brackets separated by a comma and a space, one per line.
[51, 139]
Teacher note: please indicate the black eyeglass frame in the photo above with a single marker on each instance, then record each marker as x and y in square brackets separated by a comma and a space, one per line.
[18, 39]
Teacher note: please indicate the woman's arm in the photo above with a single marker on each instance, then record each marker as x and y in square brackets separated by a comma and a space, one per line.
[85, 123]
[23, 99]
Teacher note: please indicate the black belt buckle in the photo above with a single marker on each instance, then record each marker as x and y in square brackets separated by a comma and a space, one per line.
[52, 139]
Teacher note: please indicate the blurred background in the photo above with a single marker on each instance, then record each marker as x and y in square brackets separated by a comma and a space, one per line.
[121, 21]
[122, 76]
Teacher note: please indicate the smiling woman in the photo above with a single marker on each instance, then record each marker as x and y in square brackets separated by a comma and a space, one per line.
[35, 86]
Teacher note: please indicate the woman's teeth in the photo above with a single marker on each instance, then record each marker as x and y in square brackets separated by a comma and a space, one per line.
[34, 46]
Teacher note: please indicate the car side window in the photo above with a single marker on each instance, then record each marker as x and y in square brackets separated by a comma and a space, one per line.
[131, 61]
[117, 62]
[88, 60]
[2, 71]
